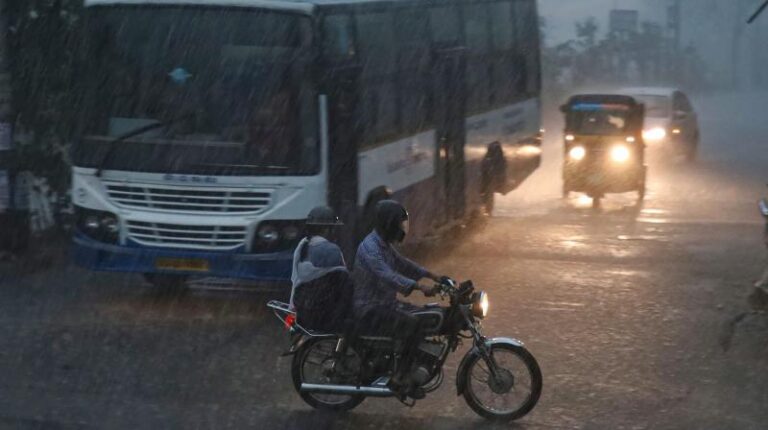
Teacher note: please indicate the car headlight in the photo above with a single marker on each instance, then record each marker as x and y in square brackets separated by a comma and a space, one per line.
[620, 153]
[654, 134]
[577, 153]
[480, 305]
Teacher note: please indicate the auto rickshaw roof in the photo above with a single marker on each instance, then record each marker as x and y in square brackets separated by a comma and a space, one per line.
[594, 102]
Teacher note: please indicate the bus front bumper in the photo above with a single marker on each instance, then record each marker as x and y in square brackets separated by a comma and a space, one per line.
[99, 256]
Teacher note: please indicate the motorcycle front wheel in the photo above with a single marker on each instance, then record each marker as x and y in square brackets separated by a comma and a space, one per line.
[317, 363]
[512, 392]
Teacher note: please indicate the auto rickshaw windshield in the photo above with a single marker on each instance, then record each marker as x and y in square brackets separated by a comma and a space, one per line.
[598, 121]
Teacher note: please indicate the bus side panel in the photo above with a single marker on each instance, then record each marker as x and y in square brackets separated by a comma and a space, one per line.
[515, 127]
[407, 168]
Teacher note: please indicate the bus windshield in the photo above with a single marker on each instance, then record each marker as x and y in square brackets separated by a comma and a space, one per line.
[227, 88]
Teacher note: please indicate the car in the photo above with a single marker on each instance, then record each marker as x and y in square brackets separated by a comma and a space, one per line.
[670, 119]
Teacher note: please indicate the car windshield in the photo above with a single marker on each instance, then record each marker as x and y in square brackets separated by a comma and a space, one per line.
[228, 85]
[597, 119]
[655, 106]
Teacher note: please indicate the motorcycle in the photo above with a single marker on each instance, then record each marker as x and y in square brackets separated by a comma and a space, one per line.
[498, 377]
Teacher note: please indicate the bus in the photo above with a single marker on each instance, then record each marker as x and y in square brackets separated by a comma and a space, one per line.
[208, 129]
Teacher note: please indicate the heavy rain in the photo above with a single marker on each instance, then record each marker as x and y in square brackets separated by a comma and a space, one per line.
[416, 214]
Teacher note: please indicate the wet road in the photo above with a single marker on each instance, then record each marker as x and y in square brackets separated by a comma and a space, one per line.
[636, 313]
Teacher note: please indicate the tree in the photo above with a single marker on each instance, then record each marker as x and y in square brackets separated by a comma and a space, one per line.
[43, 38]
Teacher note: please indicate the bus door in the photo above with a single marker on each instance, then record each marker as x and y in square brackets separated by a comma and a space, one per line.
[450, 112]
[342, 88]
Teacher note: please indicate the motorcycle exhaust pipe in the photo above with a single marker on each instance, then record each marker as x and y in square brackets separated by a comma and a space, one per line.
[347, 389]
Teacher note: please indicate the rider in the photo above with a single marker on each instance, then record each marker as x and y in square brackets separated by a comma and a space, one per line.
[322, 290]
[380, 273]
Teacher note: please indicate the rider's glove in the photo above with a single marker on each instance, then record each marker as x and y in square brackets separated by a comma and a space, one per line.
[428, 290]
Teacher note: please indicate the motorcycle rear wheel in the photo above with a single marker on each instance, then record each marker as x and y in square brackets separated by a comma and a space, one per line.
[315, 354]
[526, 374]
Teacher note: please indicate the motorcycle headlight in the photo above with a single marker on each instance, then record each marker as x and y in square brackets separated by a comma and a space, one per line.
[480, 305]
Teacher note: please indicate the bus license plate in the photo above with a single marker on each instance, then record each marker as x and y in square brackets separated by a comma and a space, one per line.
[185, 264]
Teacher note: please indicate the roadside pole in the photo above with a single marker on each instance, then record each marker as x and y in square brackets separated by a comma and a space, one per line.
[14, 214]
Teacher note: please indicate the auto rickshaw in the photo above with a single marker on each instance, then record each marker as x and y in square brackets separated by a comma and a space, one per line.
[604, 148]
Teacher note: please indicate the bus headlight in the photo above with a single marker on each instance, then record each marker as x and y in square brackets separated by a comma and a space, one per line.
[620, 153]
[655, 134]
[480, 305]
[577, 153]
[268, 233]
[98, 225]
[277, 235]
[291, 232]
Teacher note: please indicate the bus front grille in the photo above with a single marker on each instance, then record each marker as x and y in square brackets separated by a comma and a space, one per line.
[187, 236]
[188, 200]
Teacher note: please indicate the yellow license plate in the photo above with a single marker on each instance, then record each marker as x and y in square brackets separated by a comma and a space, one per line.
[185, 264]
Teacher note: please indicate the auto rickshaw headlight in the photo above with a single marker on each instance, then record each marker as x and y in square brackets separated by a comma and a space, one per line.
[577, 153]
[620, 153]
[655, 134]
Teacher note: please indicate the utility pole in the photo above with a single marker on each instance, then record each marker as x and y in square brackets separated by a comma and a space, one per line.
[673, 27]
[6, 113]
[14, 213]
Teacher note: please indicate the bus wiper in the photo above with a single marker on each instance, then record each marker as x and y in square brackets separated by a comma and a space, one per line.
[757, 13]
[133, 133]
[242, 166]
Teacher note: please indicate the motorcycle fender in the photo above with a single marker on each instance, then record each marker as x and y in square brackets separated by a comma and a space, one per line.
[296, 344]
[461, 373]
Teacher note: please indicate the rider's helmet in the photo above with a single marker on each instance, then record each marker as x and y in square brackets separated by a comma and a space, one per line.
[391, 221]
[322, 221]
[323, 216]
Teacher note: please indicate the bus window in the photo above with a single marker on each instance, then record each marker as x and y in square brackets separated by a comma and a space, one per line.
[379, 104]
[376, 42]
[505, 77]
[413, 39]
[476, 24]
[476, 28]
[528, 36]
[337, 36]
[414, 68]
[502, 26]
[445, 25]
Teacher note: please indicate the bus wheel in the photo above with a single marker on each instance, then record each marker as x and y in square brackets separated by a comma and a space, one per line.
[167, 285]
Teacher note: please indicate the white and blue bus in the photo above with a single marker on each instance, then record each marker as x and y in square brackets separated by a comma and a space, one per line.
[209, 128]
